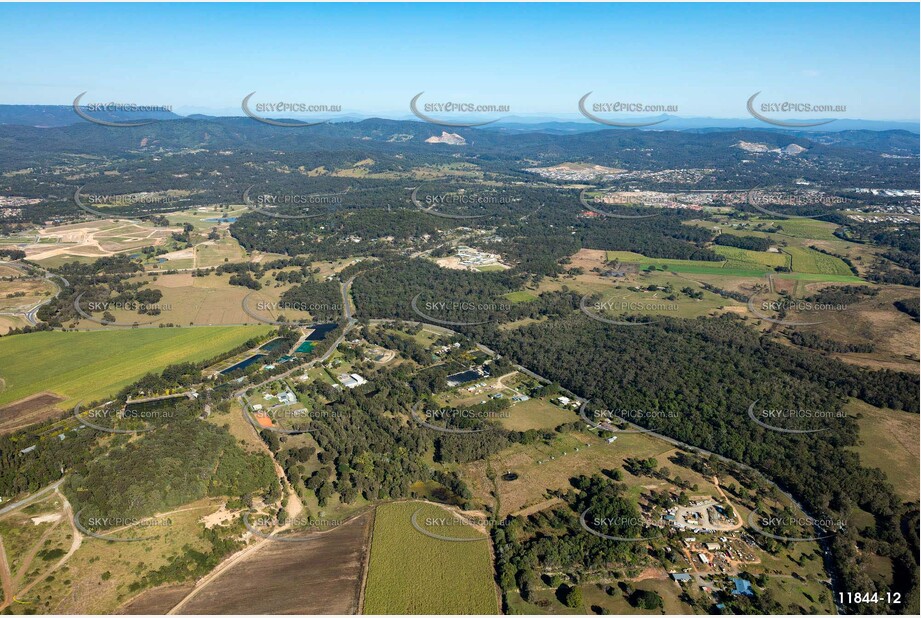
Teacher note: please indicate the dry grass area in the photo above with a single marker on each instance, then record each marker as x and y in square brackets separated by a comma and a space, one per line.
[96, 238]
[890, 441]
[875, 319]
[559, 462]
[8, 323]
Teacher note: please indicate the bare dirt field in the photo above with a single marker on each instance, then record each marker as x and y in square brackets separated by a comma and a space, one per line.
[97, 238]
[320, 576]
[156, 601]
[28, 411]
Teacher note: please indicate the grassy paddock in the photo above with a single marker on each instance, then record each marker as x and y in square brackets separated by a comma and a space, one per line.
[91, 365]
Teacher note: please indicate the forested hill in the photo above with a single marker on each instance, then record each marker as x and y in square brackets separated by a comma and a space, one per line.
[631, 148]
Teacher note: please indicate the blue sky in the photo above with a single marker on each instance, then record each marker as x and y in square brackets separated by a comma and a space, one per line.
[540, 58]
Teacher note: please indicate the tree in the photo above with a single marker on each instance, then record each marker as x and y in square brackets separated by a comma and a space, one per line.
[646, 599]
[572, 596]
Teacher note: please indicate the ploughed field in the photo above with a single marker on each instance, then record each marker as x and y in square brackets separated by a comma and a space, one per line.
[322, 575]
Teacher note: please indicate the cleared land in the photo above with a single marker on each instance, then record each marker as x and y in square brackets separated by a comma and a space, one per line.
[743, 258]
[412, 573]
[27, 411]
[90, 365]
[536, 414]
[319, 576]
[96, 576]
[890, 440]
[808, 265]
[810, 261]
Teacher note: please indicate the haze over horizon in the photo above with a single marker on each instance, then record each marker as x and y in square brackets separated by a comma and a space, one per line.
[371, 60]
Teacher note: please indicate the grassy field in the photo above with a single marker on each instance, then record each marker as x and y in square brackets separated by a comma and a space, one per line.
[215, 253]
[536, 414]
[411, 573]
[810, 266]
[521, 296]
[542, 467]
[801, 228]
[809, 261]
[745, 259]
[890, 441]
[90, 365]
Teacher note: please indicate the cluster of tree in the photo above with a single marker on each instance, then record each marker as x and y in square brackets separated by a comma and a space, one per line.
[407, 347]
[321, 299]
[554, 541]
[908, 306]
[167, 467]
[13, 254]
[817, 342]
[752, 243]
[105, 280]
[739, 296]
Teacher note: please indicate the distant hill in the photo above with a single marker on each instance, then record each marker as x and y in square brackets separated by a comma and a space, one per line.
[64, 115]
[25, 146]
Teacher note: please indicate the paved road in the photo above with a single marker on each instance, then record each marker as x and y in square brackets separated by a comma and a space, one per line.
[31, 498]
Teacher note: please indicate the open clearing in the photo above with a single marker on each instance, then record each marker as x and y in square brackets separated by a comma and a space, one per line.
[412, 573]
[90, 365]
[559, 462]
[96, 239]
[536, 414]
[808, 265]
[319, 576]
[24, 412]
[890, 442]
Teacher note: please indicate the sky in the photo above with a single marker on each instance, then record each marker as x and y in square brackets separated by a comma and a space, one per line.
[705, 59]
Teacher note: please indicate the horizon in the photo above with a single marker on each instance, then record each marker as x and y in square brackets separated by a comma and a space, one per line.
[370, 60]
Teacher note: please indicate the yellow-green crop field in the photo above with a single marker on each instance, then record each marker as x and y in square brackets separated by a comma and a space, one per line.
[412, 573]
